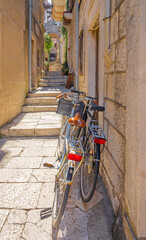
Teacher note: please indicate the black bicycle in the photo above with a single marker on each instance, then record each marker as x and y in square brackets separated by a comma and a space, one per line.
[92, 138]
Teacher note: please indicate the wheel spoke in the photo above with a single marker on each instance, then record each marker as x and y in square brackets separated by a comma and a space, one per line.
[89, 172]
[60, 199]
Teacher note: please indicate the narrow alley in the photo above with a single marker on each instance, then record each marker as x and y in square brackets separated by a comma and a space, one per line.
[93, 54]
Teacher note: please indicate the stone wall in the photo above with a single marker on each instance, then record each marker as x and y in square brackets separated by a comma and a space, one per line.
[135, 168]
[121, 83]
[115, 103]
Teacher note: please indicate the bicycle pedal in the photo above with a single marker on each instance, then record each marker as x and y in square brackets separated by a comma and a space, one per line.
[48, 165]
[70, 174]
[45, 213]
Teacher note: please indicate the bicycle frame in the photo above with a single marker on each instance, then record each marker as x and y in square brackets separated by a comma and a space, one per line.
[71, 163]
[67, 136]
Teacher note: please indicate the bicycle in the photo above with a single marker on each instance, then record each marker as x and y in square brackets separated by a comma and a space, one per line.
[65, 108]
[72, 160]
[92, 148]
[91, 140]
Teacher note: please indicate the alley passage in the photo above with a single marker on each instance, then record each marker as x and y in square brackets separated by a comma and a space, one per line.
[26, 187]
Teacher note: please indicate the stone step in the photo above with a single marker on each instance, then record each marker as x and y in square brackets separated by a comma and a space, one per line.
[53, 80]
[48, 91]
[31, 109]
[44, 94]
[40, 101]
[33, 124]
[53, 84]
[56, 77]
[31, 132]
[53, 73]
[57, 81]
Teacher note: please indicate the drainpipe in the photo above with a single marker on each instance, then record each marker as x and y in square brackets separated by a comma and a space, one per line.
[29, 89]
[77, 43]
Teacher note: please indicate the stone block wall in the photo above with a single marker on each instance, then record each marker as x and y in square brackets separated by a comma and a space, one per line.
[115, 102]
[113, 171]
[121, 78]
[124, 117]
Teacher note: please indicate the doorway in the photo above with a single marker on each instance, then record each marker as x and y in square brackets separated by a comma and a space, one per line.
[33, 62]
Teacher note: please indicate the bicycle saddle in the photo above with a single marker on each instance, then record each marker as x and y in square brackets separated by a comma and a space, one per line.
[77, 121]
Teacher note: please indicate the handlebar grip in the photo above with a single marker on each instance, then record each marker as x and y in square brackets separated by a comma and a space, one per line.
[75, 91]
[97, 108]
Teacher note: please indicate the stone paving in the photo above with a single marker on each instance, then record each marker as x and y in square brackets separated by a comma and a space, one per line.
[26, 188]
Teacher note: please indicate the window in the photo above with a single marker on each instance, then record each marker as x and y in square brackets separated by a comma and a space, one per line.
[40, 14]
[81, 53]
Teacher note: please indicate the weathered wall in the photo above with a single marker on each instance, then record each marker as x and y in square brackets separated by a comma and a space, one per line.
[135, 167]
[115, 103]
[37, 41]
[14, 54]
[71, 53]
[125, 114]
[12, 75]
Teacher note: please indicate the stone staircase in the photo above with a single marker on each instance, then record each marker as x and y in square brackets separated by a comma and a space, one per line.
[53, 79]
[39, 104]
[38, 117]
[45, 101]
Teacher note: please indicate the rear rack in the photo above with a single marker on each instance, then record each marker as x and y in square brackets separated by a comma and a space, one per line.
[76, 147]
[96, 130]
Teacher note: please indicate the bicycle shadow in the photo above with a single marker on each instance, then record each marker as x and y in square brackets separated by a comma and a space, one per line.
[95, 224]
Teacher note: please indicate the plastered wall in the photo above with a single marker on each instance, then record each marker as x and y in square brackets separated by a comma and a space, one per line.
[14, 54]
[12, 59]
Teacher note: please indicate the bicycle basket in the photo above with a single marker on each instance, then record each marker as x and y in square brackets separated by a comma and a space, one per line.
[65, 107]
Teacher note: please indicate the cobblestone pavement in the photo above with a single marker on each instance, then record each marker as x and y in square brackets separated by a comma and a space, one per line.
[26, 188]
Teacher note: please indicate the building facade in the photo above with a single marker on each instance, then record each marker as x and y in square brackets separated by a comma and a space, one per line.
[37, 41]
[112, 58]
[14, 19]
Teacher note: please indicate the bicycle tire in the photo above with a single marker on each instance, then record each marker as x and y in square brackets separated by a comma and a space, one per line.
[61, 195]
[86, 196]
[56, 221]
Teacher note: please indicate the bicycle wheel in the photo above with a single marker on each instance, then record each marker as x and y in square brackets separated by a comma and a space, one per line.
[89, 171]
[60, 199]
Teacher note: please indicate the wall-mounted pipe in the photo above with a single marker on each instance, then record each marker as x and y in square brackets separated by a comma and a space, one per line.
[29, 88]
[77, 43]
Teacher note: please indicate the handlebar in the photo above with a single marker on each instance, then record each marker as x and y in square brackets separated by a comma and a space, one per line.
[79, 92]
[86, 97]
